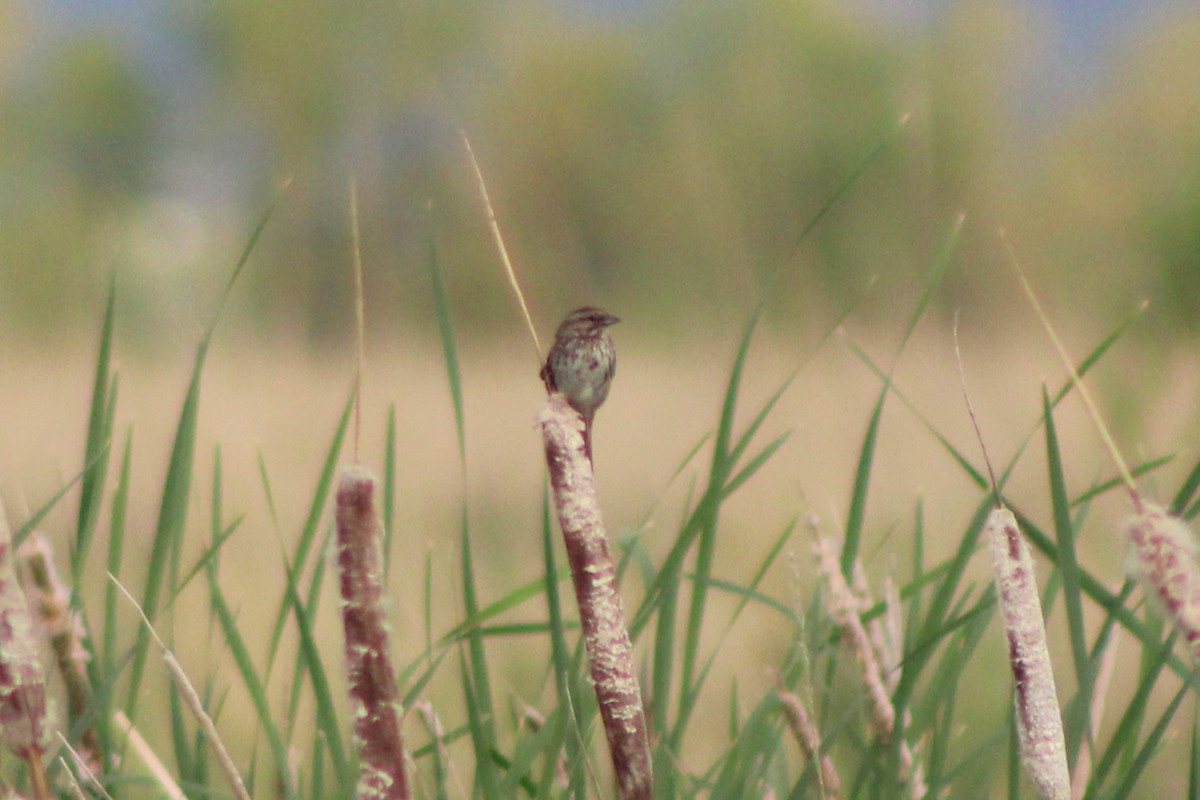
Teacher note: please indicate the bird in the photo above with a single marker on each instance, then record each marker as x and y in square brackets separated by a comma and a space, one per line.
[581, 364]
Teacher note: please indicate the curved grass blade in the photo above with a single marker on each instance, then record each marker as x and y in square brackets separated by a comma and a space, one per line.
[96, 446]
[449, 352]
[254, 687]
[312, 522]
[172, 512]
[565, 668]
[1184, 496]
[1068, 565]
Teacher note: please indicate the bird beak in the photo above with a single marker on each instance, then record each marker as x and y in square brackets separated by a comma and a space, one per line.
[609, 319]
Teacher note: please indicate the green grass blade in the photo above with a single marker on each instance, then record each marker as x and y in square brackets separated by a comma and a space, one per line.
[1124, 736]
[1150, 747]
[559, 657]
[707, 514]
[941, 265]
[1184, 496]
[312, 522]
[478, 685]
[172, 512]
[1068, 565]
[44, 509]
[104, 672]
[389, 491]
[754, 464]
[868, 158]
[327, 722]
[172, 516]
[1118, 482]
[449, 352]
[95, 451]
[311, 606]
[862, 481]
[254, 686]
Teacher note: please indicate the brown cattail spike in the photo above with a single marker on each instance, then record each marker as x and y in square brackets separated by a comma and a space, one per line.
[373, 693]
[610, 652]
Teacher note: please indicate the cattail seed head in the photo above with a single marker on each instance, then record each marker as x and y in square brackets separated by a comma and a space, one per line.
[23, 718]
[370, 673]
[1039, 722]
[1164, 559]
[601, 617]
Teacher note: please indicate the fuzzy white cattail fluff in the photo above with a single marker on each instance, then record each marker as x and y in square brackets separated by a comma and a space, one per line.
[1039, 722]
[1164, 559]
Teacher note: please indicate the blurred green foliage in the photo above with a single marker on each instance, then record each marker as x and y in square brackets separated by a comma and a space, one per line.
[661, 159]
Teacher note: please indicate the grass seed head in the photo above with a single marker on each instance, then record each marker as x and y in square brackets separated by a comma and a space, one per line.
[1164, 560]
[23, 717]
[1039, 722]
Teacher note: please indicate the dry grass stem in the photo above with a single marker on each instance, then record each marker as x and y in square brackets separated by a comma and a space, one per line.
[606, 639]
[24, 724]
[809, 738]
[1163, 547]
[1126, 475]
[158, 770]
[191, 699]
[845, 608]
[1083, 762]
[433, 725]
[51, 603]
[374, 697]
[494, 227]
[83, 767]
[359, 315]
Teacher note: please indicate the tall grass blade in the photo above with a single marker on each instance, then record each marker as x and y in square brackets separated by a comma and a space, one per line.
[1124, 737]
[862, 476]
[312, 522]
[862, 481]
[706, 523]
[449, 352]
[95, 451]
[564, 674]
[1183, 497]
[253, 683]
[1068, 565]
[476, 681]
[1151, 746]
[172, 512]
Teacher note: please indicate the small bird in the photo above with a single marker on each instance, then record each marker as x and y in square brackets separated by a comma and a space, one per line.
[581, 364]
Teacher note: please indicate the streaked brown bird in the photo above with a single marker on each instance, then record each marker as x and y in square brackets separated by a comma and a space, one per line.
[582, 363]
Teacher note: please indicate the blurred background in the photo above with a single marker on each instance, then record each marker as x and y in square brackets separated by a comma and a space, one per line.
[659, 158]
[662, 157]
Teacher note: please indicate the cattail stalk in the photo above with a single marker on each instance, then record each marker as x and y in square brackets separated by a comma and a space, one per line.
[51, 603]
[1039, 724]
[23, 720]
[374, 697]
[610, 652]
